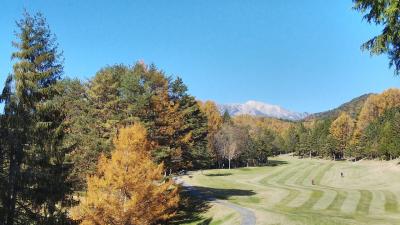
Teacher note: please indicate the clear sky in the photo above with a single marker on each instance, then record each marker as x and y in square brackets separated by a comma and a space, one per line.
[303, 55]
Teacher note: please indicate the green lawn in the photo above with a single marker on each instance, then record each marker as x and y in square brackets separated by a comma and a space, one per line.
[369, 192]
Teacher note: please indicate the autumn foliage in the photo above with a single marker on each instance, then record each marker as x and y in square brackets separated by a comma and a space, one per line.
[128, 187]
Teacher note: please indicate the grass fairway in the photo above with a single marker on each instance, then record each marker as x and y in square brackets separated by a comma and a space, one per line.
[369, 192]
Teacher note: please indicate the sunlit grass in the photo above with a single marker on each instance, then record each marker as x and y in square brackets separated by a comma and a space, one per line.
[284, 194]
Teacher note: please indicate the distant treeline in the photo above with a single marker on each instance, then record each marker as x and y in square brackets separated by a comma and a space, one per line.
[372, 131]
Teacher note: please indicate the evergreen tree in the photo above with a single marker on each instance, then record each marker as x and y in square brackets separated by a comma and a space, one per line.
[382, 136]
[264, 145]
[194, 128]
[81, 133]
[319, 137]
[37, 174]
[301, 139]
[105, 100]
[291, 139]
[226, 117]
[383, 13]
[329, 148]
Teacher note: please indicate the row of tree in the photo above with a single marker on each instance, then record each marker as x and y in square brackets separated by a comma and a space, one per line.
[67, 143]
[55, 130]
[372, 133]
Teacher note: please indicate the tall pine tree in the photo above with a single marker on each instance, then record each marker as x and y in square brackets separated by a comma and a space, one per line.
[37, 174]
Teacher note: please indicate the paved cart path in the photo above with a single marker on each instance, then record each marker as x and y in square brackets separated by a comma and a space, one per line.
[247, 216]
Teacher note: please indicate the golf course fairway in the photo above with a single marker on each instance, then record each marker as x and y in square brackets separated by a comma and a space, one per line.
[303, 191]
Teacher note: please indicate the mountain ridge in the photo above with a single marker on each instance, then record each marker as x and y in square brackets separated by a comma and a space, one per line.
[257, 108]
[262, 109]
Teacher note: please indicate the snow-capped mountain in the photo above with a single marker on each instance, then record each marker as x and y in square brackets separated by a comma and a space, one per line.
[255, 108]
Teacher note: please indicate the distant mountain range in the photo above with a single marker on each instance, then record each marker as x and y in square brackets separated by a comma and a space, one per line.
[255, 108]
[261, 109]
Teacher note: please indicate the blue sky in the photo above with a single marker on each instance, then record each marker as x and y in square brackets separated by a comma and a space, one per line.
[303, 55]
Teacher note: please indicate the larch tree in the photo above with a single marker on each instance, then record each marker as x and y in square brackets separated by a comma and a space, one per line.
[214, 123]
[128, 188]
[341, 130]
[374, 107]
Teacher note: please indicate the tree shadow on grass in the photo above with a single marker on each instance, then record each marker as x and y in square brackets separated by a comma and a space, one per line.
[195, 201]
[218, 174]
[274, 163]
[191, 209]
[211, 194]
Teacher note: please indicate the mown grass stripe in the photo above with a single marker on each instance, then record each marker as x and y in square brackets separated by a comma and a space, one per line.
[306, 173]
[298, 181]
[365, 202]
[293, 193]
[277, 173]
[290, 173]
[338, 201]
[391, 204]
[322, 173]
[350, 204]
[316, 195]
[378, 203]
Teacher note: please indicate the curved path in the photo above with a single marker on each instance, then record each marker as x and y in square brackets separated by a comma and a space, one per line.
[248, 217]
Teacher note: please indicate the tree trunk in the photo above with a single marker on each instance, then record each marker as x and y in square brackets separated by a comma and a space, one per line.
[229, 162]
[11, 195]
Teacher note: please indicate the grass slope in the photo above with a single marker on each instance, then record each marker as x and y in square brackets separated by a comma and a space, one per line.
[369, 192]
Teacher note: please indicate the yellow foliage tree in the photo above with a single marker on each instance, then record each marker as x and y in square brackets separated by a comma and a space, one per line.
[127, 188]
[214, 123]
[255, 124]
[374, 107]
[341, 130]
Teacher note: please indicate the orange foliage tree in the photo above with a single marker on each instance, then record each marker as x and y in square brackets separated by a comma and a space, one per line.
[128, 187]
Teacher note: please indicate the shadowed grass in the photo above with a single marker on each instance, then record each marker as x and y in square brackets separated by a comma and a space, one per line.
[391, 204]
[365, 202]
[218, 174]
[338, 201]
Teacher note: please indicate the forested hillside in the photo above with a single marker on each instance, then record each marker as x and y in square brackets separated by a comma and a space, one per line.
[352, 108]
